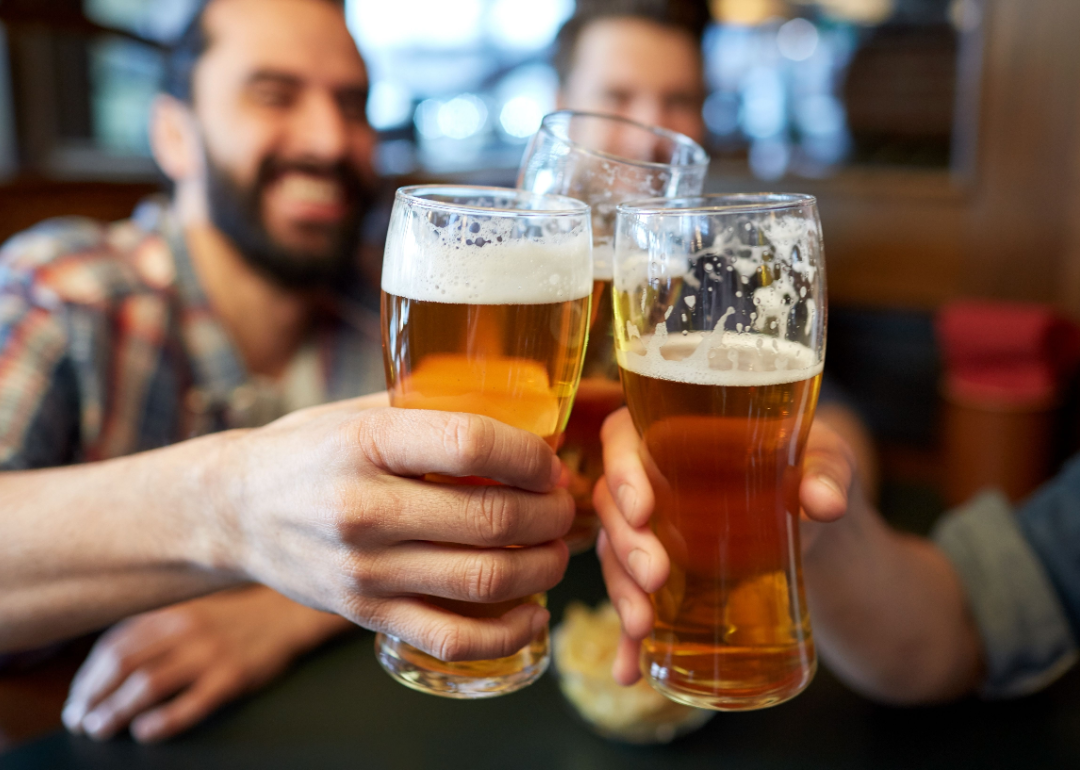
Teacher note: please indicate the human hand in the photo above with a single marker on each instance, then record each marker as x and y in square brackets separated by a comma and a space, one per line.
[329, 506]
[162, 672]
[634, 561]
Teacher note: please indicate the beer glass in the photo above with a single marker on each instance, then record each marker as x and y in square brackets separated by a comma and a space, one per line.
[485, 308]
[603, 160]
[720, 316]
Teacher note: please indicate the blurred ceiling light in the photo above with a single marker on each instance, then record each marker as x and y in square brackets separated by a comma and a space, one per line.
[764, 109]
[862, 12]
[426, 118]
[797, 39]
[769, 158]
[721, 113]
[820, 115]
[528, 26]
[520, 117]
[746, 12]
[388, 105]
[440, 24]
[462, 116]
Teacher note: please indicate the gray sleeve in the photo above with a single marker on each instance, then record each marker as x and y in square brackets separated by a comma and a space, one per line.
[1026, 635]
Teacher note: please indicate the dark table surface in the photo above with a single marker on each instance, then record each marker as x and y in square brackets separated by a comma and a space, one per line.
[337, 709]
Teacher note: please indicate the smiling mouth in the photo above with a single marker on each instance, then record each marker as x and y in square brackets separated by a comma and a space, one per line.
[311, 190]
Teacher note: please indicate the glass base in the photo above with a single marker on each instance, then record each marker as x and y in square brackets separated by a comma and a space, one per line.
[467, 680]
[733, 699]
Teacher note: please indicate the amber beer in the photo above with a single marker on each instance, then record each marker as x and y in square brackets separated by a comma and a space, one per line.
[724, 452]
[599, 394]
[516, 363]
[484, 312]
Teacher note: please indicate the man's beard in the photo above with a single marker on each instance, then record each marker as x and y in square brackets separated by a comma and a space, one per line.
[237, 212]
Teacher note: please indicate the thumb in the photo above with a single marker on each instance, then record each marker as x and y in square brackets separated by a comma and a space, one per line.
[828, 475]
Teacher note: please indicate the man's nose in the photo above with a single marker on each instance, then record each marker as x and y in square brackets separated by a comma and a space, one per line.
[647, 110]
[319, 129]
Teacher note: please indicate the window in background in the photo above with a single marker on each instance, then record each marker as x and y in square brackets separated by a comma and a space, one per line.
[804, 87]
[797, 87]
[457, 84]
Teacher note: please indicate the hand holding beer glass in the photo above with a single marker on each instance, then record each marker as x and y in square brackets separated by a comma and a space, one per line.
[603, 160]
[485, 309]
[720, 337]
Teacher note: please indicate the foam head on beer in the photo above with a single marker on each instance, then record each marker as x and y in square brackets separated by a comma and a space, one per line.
[489, 256]
[486, 296]
[735, 280]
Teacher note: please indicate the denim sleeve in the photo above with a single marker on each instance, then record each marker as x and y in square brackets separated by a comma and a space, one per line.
[1021, 614]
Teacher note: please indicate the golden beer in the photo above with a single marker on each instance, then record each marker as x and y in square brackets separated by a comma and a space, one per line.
[518, 364]
[485, 310]
[725, 461]
[598, 395]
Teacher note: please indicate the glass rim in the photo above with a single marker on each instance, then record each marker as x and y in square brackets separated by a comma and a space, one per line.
[715, 203]
[413, 194]
[702, 157]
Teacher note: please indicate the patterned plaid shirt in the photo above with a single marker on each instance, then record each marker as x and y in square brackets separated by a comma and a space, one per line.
[108, 347]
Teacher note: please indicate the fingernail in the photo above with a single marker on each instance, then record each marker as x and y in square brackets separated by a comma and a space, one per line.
[556, 471]
[94, 723]
[540, 621]
[72, 715]
[638, 562]
[626, 497]
[830, 482]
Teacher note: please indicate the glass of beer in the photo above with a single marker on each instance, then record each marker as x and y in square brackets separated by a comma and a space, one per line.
[603, 160]
[720, 316]
[485, 309]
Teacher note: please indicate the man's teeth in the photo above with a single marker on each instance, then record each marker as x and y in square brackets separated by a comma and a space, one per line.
[309, 189]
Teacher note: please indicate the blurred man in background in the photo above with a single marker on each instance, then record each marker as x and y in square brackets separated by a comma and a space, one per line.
[639, 59]
[221, 309]
[642, 60]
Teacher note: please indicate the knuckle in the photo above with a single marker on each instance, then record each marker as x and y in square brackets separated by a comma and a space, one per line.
[470, 438]
[449, 642]
[488, 578]
[359, 522]
[148, 685]
[492, 515]
[232, 676]
[362, 575]
[367, 435]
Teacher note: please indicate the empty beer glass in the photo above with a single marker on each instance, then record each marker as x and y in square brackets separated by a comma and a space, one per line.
[603, 160]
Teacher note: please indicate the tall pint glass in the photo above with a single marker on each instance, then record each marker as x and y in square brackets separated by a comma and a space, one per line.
[485, 308]
[720, 315]
[603, 160]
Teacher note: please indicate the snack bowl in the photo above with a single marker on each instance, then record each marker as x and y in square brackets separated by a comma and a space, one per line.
[584, 647]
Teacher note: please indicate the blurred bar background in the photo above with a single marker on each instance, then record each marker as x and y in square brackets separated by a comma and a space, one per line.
[939, 135]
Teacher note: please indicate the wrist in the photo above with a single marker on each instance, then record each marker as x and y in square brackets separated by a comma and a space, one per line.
[214, 495]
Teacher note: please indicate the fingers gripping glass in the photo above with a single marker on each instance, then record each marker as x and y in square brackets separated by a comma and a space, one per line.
[720, 317]
[603, 160]
[485, 307]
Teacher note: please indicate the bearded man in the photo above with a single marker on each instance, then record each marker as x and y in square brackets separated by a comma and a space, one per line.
[184, 329]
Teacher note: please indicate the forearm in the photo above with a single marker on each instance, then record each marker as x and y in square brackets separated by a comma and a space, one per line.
[82, 546]
[889, 612]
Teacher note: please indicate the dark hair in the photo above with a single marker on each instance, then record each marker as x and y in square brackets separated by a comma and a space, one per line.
[185, 52]
[690, 16]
